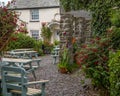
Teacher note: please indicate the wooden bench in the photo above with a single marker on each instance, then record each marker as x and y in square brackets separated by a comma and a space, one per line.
[18, 85]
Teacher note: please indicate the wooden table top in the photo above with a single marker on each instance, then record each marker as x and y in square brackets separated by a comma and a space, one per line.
[16, 60]
[25, 49]
[22, 52]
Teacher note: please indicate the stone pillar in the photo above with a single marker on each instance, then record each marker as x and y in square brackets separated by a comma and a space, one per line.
[73, 27]
[79, 32]
[88, 31]
[82, 31]
[66, 34]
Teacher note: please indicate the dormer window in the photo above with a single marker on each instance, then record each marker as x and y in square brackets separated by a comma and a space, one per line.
[34, 15]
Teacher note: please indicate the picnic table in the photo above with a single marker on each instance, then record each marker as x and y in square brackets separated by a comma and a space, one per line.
[23, 49]
[22, 54]
[20, 63]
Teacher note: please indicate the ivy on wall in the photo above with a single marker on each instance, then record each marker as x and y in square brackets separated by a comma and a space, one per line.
[100, 10]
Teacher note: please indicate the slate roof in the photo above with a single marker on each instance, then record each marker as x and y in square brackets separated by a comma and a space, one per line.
[81, 13]
[27, 4]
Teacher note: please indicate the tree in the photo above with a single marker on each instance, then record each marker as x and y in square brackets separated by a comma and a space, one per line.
[8, 25]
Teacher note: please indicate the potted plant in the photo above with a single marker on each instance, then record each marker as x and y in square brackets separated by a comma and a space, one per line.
[63, 66]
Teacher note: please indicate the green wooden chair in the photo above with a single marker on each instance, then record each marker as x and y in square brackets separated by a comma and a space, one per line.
[15, 83]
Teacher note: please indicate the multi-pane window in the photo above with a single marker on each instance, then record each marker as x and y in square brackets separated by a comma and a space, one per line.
[35, 34]
[34, 15]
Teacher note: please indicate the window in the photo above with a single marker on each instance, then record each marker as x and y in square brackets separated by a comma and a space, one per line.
[35, 34]
[34, 15]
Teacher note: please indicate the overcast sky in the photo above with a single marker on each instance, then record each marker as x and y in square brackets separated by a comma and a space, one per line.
[5, 1]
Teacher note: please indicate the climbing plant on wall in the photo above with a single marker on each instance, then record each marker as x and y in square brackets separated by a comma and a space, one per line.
[46, 34]
[100, 10]
[75, 4]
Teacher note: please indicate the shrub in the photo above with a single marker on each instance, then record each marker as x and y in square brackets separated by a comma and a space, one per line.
[38, 47]
[21, 40]
[115, 32]
[8, 23]
[114, 66]
[48, 48]
[94, 57]
[56, 42]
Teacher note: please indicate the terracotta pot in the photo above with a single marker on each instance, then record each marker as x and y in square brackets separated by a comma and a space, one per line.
[63, 70]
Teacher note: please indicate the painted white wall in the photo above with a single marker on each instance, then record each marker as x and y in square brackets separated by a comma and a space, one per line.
[46, 15]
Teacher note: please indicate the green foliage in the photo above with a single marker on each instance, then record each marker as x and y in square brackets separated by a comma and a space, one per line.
[38, 47]
[114, 66]
[94, 57]
[115, 17]
[8, 23]
[115, 32]
[22, 41]
[100, 16]
[100, 10]
[64, 62]
[115, 38]
[46, 34]
[69, 5]
[56, 42]
[64, 59]
[48, 47]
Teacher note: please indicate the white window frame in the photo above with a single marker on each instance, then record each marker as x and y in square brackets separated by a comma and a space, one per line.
[34, 15]
[35, 34]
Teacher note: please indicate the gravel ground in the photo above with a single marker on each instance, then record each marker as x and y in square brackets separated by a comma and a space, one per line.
[59, 84]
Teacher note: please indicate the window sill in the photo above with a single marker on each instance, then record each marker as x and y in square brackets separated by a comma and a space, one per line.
[34, 21]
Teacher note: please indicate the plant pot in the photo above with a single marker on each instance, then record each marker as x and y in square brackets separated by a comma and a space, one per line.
[63, 70]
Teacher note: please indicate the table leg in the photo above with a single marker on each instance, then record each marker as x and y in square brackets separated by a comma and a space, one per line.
[33, 71]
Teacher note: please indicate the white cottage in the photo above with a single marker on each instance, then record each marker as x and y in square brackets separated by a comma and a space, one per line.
[35, 12]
